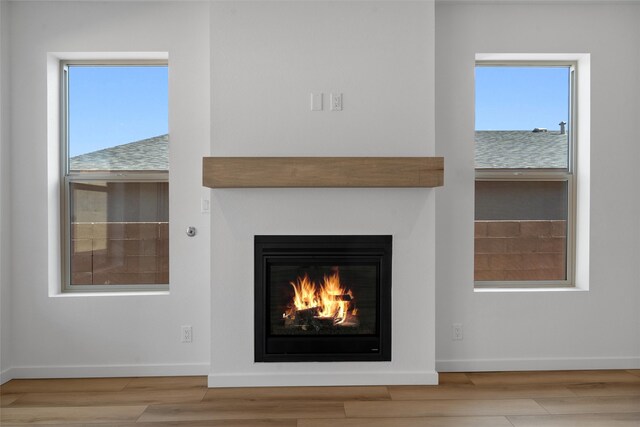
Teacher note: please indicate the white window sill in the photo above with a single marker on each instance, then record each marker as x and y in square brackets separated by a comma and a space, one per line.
[517, 290]
[110, 294]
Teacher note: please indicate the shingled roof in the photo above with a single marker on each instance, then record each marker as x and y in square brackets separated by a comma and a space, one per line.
[494, 149]
[521, 149]
[146, 154]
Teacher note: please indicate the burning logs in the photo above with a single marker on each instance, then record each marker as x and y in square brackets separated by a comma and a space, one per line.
[311, 318]
[320, 307]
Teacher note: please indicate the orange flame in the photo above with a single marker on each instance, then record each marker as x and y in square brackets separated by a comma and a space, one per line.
[331, 299]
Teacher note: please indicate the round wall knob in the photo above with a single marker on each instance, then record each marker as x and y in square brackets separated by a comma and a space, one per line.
[191, 231]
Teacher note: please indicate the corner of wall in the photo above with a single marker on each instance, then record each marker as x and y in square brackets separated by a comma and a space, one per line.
[53, 174]
[5, 199]
[583, 160]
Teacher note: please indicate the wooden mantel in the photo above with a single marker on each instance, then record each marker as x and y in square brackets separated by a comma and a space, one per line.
[264, 172]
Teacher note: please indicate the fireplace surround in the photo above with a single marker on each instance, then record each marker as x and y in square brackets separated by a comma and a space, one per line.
[322, 298]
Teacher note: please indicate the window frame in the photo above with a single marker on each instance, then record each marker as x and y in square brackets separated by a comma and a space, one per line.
[68, 178]
[541, 175]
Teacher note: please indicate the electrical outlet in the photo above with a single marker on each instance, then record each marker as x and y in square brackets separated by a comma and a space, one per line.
[457, 331]
[187, 334]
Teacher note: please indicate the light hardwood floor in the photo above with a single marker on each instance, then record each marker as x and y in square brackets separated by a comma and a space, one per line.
[520, 399]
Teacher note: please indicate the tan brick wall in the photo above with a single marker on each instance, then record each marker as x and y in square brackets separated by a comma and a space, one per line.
[520, 250]
[119, 253]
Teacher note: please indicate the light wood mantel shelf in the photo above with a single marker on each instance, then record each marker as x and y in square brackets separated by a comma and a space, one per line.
[265, 172]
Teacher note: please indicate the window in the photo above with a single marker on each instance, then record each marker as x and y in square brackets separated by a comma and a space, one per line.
[115, 205]
[525, 203]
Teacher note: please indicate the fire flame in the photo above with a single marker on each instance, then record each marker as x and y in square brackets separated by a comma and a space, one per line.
[330, 298]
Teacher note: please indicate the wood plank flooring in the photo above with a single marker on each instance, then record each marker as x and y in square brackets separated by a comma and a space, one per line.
[509, 399]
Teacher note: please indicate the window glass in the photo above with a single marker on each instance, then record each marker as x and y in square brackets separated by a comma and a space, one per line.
[521, 230]
[117, 195]
[519, 116]
[119, 233]
[521, 200]
[117, 117]
[524, 181]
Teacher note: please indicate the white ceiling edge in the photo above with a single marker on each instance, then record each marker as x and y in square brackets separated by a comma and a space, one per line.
[224, 1]
[218, 1]
[466, 2]
[537, 1]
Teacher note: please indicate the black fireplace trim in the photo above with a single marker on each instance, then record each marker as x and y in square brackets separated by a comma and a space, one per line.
[267, 246]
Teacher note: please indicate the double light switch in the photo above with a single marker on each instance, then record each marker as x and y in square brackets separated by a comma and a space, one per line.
[317, 104]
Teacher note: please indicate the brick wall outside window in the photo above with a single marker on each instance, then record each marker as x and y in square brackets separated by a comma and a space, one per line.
[520, 250]
[125, 253]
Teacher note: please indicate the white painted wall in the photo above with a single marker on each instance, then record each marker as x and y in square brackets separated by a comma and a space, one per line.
[107, 335]
[240, 78]
[267, 57]
[599, 328]
[5, 225]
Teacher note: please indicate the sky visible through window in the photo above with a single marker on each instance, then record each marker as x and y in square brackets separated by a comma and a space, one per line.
[521, 98]
[114, 105]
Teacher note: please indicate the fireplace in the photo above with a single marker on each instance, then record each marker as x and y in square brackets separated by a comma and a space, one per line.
[322, 298]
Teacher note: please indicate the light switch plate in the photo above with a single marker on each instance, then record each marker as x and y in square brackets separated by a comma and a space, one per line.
[316, 101]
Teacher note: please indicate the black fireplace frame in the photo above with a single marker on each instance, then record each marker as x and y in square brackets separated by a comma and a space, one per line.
[375, 347]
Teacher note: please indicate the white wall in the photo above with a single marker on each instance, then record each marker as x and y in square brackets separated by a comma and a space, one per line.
[5, 229]
[599, 328]
[108, 335]
[266, 59]
[240, 78]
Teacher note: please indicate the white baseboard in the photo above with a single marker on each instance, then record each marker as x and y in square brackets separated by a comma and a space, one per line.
[105, 371]
[322, 379]
[541, 364]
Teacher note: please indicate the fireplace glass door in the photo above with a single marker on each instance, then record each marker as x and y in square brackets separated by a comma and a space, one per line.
[323, 298]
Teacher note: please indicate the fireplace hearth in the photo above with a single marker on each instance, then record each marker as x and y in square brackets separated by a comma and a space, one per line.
[322, 298]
